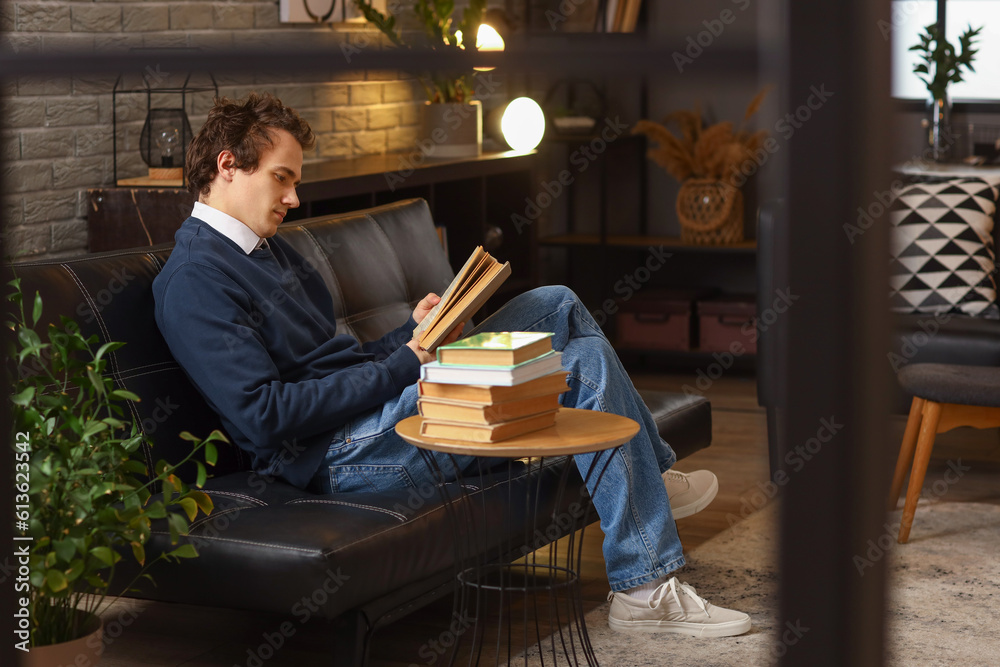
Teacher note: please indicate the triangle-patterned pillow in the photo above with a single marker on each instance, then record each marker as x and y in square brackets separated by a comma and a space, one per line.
[942, 254]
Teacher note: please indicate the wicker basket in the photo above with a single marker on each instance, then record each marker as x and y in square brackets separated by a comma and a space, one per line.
[711, 213]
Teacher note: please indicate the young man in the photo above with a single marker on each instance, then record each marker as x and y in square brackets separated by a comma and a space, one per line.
[258, 338]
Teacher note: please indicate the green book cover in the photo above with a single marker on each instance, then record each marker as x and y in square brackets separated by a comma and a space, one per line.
[496, 348]
[497, 340]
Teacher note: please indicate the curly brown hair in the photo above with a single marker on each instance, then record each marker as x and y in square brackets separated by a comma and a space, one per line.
[243, 128]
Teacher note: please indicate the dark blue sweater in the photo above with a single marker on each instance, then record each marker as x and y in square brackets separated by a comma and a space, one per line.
[257, 335]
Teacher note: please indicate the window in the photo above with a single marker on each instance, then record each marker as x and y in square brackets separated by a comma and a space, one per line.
[910, 17]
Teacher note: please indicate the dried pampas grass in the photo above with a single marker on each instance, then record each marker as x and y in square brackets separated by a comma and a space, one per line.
[716, 152]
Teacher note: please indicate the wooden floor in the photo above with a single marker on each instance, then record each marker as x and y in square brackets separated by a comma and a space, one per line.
[156, 634]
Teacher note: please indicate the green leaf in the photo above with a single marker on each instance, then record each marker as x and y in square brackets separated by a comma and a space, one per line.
[114, 423]
[204, 501]
[28, 338]
[125, 394]
[95, 381]
[24, 397]
[104, 554]
[133, 466]
[105, 348]
[168, 488]
[178, 526]
[190, 507]
[184, 551]
[75, 570]
[93, 428]
[55, 580]
[65, 549]
[139, 552]
[202, 474]
[36, 312]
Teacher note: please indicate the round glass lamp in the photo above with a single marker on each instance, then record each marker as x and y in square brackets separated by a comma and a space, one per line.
[522, 124]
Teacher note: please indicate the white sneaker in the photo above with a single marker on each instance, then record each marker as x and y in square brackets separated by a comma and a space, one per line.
[675, 607]
[690, 493]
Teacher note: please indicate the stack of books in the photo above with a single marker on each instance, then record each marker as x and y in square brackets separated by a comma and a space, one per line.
[491, 386]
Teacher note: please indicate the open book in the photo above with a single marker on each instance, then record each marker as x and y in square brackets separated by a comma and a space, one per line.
[474, 284]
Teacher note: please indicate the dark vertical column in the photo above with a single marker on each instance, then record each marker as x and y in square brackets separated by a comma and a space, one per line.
[836, 95]
[8, 560]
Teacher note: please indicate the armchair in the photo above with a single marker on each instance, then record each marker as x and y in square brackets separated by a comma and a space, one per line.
[915, 338]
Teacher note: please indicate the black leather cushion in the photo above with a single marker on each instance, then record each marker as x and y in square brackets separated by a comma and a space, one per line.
[684, 420]
[270, 546]
[377, 264]
[952, 383]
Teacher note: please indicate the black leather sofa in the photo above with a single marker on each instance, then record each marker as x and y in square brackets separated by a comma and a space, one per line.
[358, 560]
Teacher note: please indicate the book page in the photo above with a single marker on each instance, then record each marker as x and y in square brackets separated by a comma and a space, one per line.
[474, 259]
[467, 304]
[474, 276]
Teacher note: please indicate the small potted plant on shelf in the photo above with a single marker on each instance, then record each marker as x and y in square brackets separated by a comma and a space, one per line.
[83, 493]
[936, 52]
[711, 164]
[452, 118]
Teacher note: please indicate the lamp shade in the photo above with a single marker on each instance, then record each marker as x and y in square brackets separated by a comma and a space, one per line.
[488, 39]
[522, 124]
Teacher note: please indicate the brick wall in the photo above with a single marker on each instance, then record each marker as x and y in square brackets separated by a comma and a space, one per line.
[56, 138]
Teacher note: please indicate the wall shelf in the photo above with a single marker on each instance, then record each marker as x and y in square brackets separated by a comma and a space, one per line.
[471, 198]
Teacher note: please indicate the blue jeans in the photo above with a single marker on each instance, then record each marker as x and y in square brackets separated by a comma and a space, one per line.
[640, 538]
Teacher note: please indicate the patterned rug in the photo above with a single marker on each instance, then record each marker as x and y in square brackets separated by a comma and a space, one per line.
[943, 607]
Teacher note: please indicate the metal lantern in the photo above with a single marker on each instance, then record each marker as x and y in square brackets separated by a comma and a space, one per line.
[166, 131]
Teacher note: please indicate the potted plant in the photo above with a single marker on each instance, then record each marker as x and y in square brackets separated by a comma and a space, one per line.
[936, 52]
[81, 497]
[452, 119]
[711, 164]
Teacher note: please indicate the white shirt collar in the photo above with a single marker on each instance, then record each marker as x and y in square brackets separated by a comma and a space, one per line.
[228, 226]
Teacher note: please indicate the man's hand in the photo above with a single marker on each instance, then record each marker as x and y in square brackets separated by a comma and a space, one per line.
[423, 355]
[425, 306]
[455, 334]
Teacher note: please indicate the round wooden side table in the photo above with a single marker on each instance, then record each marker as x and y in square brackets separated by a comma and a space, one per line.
[490, 575]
